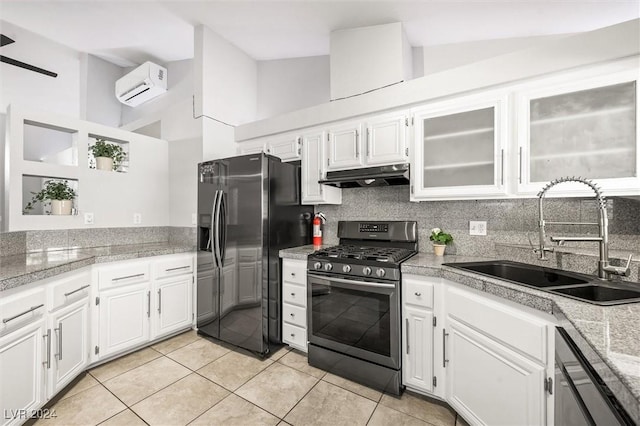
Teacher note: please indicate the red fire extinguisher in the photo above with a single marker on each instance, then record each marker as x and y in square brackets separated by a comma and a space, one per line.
[318, 220]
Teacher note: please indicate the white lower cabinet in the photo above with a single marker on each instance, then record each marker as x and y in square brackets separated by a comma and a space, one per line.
[294, 303]
[123, 318]
[22, 371]
[70, 344]
[174, 305]
[488, 358]
[487, 383]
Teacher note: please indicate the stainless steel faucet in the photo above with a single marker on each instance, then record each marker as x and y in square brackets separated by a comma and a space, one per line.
[605, 270]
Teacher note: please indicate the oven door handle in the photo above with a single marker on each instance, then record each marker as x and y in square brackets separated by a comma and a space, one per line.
[358, 283]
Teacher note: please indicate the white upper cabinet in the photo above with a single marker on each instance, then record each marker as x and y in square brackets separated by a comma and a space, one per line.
[386, 139]
[460, 149]
[378, 140]
[344, 147]
[580, 126]
[286, 147]
[313, 170]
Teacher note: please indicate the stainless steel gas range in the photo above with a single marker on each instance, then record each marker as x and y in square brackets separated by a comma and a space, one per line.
[353, 302]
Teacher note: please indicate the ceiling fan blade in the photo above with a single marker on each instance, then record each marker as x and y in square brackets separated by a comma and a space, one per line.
[4, 40]
[27, 66]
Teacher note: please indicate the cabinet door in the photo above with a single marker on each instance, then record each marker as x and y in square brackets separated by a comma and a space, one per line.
[286, 147]
[252, 147]
[490, 384]
[580, 128]
[173, 305]
[345, 147]
[69, 345]
[418, 347]
[313, 170]
[22, 354]
[460, 149]
[386, 141]
[124, 315]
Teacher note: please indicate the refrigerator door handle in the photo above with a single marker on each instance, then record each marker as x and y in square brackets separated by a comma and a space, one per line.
[223, 220]
[216, 247]
[214, 223]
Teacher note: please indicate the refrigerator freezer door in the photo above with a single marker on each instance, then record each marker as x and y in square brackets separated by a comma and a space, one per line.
[242, 220]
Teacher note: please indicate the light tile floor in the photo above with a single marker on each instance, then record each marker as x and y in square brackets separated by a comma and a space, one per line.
[190, 380]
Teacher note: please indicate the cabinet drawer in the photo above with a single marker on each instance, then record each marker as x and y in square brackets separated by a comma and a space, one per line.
[70, 289]
[296, 315]
[294, 294]
[294, 271]
[417, 292]
[173, 266]
[22, 308]
[294, 336]
[517, 329]
[123, 274]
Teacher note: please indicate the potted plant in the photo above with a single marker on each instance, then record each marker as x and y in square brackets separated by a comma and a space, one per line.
[440, 240]
[109, 156]
[59, 193]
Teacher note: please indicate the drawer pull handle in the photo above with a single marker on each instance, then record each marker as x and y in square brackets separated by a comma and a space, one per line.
[292, 314]
[293, 274]
[128, 276]
[76, 290]
[177, 268]
[293, 294]
[33, 308]
[418, 294]
[293, 335]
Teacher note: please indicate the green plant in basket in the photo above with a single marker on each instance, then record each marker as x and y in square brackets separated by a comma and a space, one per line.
[440, 237]
[53, 190]
[102, 148]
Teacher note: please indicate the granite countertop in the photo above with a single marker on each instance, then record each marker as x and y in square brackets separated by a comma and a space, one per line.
[20, 269]
[608, 336]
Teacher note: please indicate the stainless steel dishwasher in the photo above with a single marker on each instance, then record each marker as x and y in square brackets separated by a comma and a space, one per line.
[581, 397]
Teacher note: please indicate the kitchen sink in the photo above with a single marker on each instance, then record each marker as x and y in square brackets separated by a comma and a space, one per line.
[600, 293]
[576, 286]
[521, 273]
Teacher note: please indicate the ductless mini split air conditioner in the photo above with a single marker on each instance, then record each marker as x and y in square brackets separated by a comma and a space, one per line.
[142, 84]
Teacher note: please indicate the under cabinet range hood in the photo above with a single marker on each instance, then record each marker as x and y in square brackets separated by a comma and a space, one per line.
[396, 174]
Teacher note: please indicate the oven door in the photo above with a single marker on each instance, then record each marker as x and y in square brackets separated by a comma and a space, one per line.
[356, 318]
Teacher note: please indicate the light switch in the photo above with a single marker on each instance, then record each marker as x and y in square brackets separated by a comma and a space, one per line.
[137, 218]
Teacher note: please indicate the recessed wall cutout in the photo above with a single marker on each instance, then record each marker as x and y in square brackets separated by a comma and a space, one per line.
[108, 148]
[49, 144]
[38, 192]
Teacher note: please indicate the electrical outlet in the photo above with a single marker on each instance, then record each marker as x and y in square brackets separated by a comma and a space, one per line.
[137, 218]
[88, 218]
[194, 219]
[477, 227]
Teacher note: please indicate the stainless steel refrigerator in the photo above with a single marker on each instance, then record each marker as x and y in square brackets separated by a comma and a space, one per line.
[249, 208]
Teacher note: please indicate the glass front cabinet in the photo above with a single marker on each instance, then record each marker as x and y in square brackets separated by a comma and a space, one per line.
[460, 149]
[580, 127]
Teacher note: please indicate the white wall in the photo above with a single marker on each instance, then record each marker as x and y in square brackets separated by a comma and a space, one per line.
[99, 103]
[60, 94]
[184, 156]
[226, 79]
[218, 140]
[286, 85]
[443, 57]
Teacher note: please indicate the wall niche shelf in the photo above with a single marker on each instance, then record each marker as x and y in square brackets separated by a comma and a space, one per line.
[123, 166]
[33, 184]
[138, 188]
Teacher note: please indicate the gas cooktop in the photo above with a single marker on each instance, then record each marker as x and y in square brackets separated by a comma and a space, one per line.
[378, 254]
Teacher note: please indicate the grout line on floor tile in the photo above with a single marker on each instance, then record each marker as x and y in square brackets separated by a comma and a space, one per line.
[116, 359]
[342, 387]
[411, 415]
[303, 397]
[372, 413]
[107, 419]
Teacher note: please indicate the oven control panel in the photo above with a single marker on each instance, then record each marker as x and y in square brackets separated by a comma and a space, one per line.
[374, 227]
[386, 273]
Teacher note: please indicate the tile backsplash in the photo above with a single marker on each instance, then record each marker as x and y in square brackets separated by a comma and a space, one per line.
[508, 221]
[34, 241]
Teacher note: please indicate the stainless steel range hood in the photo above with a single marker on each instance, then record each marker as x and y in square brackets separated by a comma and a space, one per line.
[397, 174]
